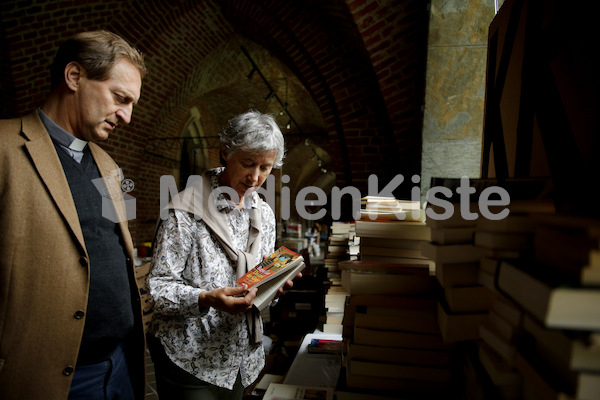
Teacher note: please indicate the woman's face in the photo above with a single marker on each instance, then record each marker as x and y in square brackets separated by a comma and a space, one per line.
[246, 172]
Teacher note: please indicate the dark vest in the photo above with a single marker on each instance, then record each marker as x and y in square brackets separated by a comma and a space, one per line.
[109, 315]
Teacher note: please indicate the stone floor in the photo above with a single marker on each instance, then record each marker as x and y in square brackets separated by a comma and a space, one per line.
[150, 379]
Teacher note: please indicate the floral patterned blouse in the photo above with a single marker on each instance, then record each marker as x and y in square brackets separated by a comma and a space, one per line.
[210, 344]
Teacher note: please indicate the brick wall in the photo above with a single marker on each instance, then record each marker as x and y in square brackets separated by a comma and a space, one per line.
[354, 68]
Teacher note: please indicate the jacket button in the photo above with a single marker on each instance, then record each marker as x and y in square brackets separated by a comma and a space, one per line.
[79, 314]
[83, 261]
[68, 370]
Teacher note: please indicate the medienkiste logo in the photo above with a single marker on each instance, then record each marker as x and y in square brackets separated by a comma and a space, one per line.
[117, 204]
[493, 198]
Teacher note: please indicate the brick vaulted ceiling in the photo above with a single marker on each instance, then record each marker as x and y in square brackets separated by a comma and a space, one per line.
[354, 72]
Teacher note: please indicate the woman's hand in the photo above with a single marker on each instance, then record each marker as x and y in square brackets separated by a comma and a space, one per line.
[233, 300]
[287, 286]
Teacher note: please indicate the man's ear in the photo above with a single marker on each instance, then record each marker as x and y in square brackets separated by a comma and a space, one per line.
[73, 74]
[222, 155]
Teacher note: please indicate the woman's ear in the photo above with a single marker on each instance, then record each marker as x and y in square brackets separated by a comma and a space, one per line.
[73, 74]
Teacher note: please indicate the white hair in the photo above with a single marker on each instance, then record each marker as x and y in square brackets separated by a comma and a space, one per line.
[253, 132]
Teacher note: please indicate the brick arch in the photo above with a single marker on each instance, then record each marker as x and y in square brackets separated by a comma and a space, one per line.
[334, 57]
[359, 63]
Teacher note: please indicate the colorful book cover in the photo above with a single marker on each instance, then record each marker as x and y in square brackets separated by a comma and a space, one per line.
[270, 267]
[325, 346]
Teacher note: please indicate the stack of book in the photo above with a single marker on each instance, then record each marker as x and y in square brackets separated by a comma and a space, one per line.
[498, 239]
[510, 237]
[498, 347]
[335, 301]
[390, 209]
[390, 329]
[558, 291]
[341, 234]
[465, 303]
[294, 238]
[342, 243]
[353, 245]
[392, 231]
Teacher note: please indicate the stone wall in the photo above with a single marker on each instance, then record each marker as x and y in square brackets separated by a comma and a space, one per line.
[455, 89]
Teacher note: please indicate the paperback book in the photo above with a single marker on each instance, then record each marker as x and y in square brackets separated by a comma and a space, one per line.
[270, 274]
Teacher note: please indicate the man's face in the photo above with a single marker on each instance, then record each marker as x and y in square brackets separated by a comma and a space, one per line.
[103, 105]
[247, 171]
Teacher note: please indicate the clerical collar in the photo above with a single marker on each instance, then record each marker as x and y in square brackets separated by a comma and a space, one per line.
[60, 135]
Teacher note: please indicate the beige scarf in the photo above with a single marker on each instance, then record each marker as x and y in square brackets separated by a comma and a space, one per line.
[197, 199]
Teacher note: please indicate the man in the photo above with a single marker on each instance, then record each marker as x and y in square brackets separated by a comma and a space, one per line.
[70, 315]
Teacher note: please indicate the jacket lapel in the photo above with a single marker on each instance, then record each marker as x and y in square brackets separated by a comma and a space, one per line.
[112, 179]
[46, 161]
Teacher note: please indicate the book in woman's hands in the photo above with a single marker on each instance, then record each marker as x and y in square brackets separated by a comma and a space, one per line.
[271, 274]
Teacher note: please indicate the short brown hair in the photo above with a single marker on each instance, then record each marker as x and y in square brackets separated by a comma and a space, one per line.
[97, 52]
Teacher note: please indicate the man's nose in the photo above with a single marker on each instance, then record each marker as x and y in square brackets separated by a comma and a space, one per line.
[125, 112]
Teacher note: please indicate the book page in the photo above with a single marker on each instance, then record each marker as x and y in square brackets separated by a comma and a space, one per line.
[268, 290]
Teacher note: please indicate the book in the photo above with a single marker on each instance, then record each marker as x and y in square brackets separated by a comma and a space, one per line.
[581, 385]
[398, 260]
[333, 328]
[573, 351]
[403, 279]
[404, 371]
[379, 207]
[453, 235]
[388, 203]
[439, 217]
[506, 350]
[508, 311]
[469, 298]
[399, 355]
[383, 214]
[418, 322]
[414, 230]
[324, 346]
[409, 340]
[458, 327]
[554, 304]
[390, 252]
[409, 268]
[386, 385]
[451, 253]
[457, 274]
[361, 395]
[280, 391]
[501, 373]
[512, 223]
[367, 241]
[538, 381]
[503, 240]
[588, 386]
[486, 279]
[567, 250]
[399, 305]
[505, 330]
[272, 273]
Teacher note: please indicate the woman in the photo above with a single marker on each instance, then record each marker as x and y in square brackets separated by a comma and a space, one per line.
[205, 336]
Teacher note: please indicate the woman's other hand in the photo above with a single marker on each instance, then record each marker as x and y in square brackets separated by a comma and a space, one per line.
[233, 300]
